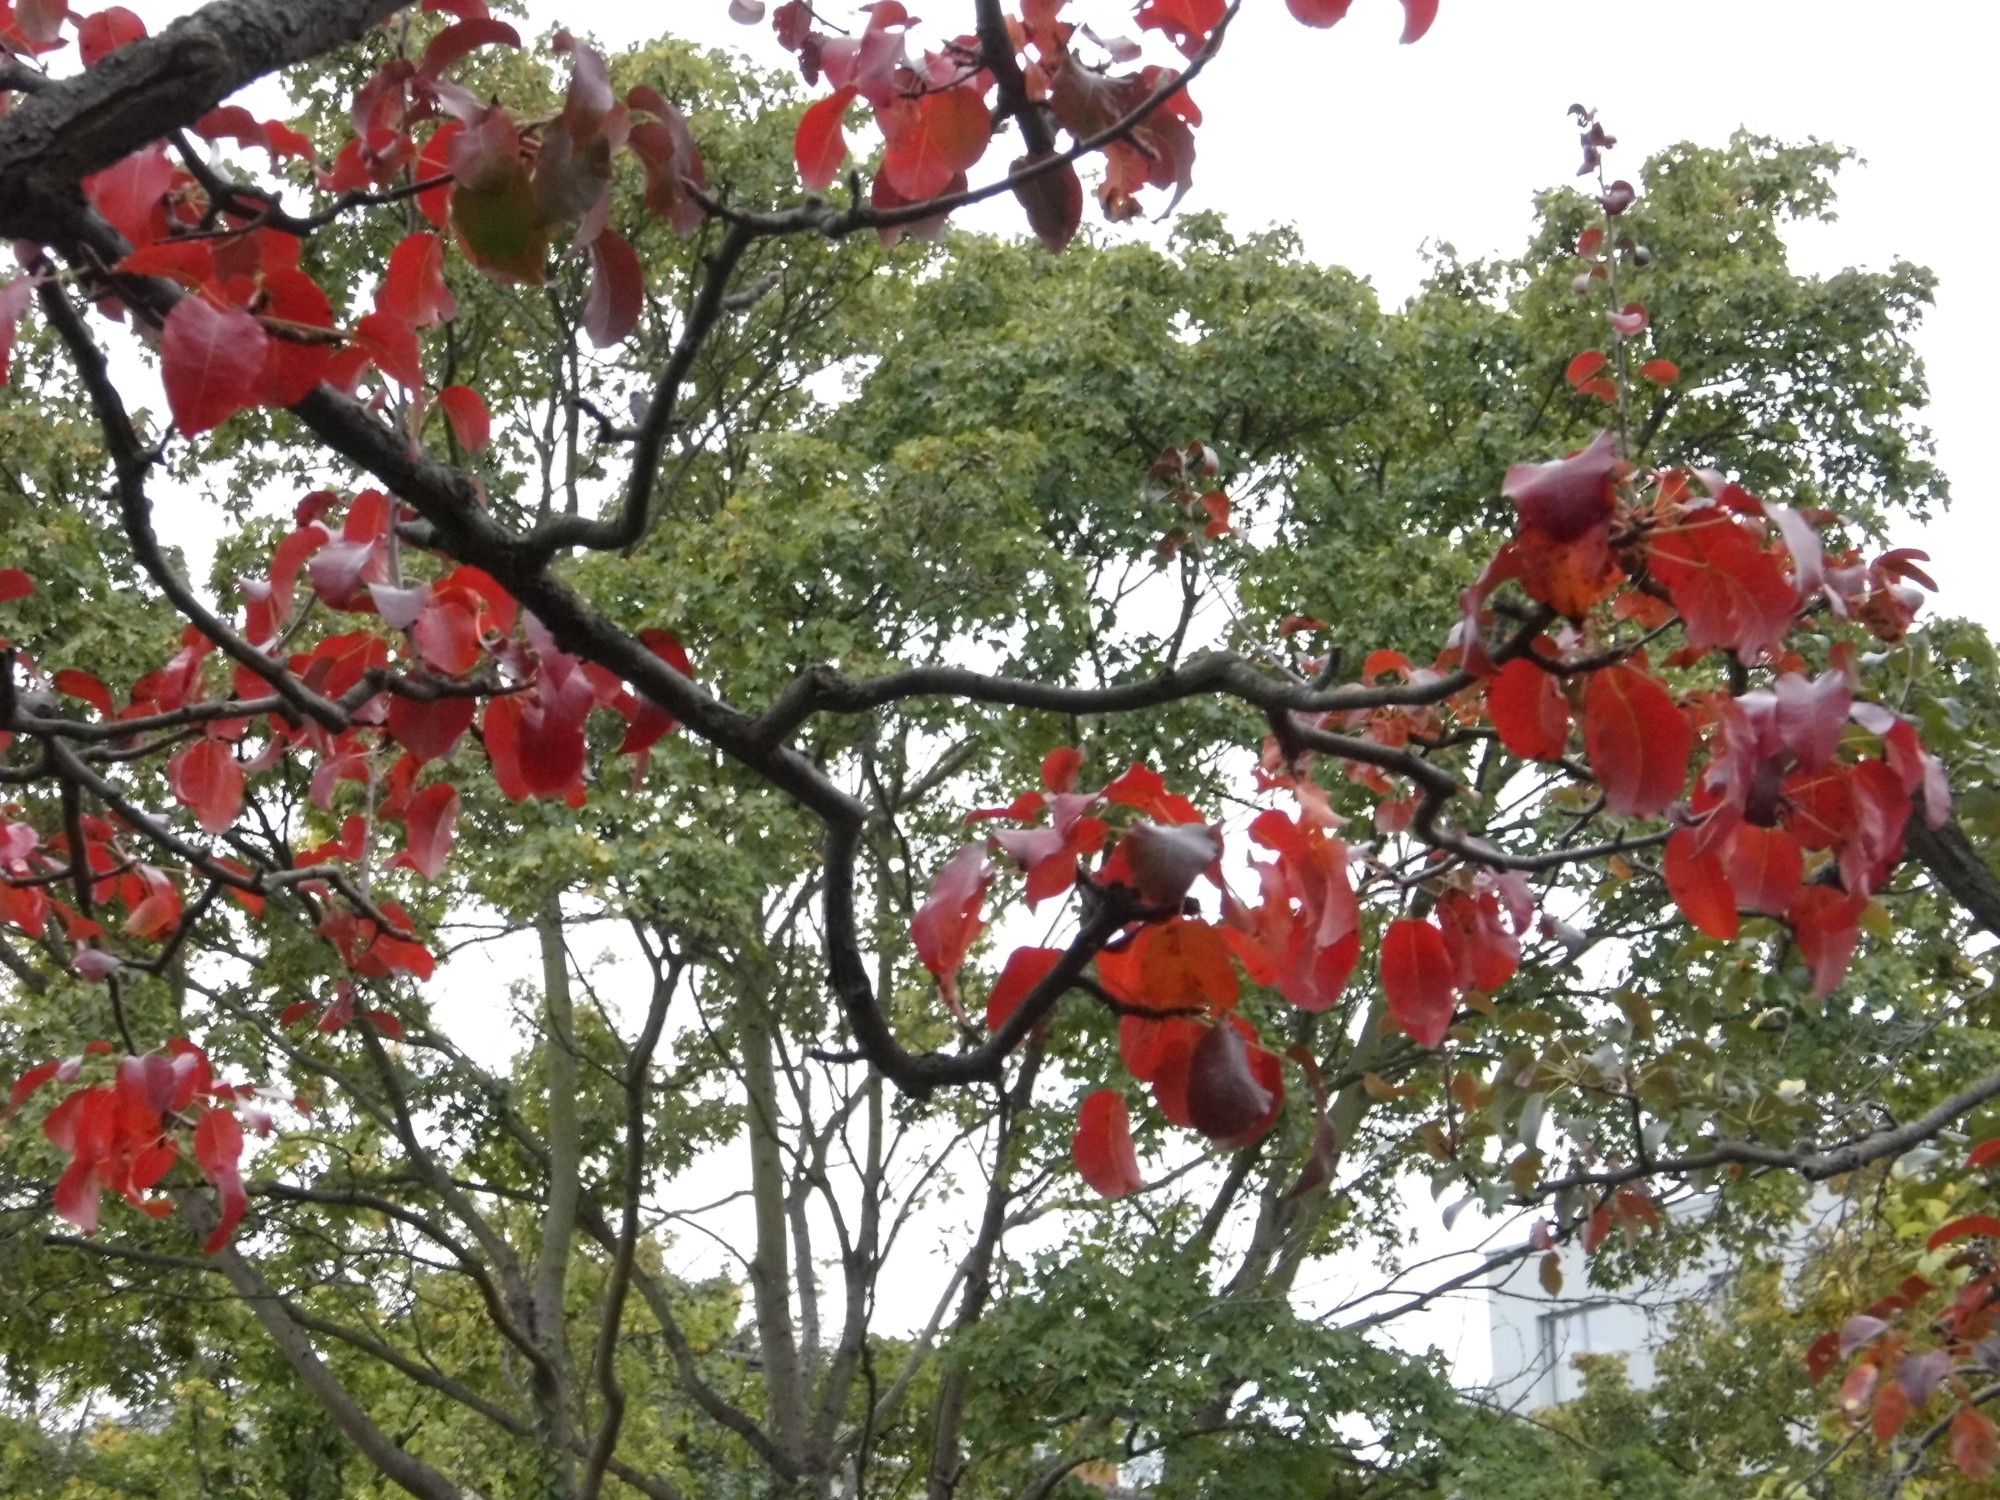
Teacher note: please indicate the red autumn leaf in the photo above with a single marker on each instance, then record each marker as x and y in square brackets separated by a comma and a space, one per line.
[392, 345]
[218, 1151]
[1418, 978]
[1660, 371]
[1165, 859]
[932, 139]
[1826, 925]
[1629, 323]
[429, 730]
[1182, 964]
[1417, 18]
[1053, 201]
[1728, 587]
[1964, 1228]
[465, 409]
[1529, 712]
[1638, 742]
[1766, 869]
[103, 32]
[650, 723]
[293, 366]
[455, 42]
[1983, 1155]
[1318, 12]
[1975, 1443]
[430, 821]
[948, 922]
[1566, 498]
[1231, 1099]
[617, 290]
[1700, 886]
[534, 752]
[26, 1085]
[820, 145]
[15, 296]
[210, 359]
[14, 584]
[1025, 968]
[413, 289]
[1585, 367]
[447, 637]
[208, 780]
[1102, 1146]
[1892, 1410]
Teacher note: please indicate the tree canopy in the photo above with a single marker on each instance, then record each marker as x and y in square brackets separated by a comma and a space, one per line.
[940, 731]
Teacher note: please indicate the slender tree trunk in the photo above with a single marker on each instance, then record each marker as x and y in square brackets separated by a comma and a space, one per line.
[770, 1266]
[551, 1273]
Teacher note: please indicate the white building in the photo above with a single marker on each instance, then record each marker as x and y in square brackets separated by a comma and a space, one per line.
[1536, 1337]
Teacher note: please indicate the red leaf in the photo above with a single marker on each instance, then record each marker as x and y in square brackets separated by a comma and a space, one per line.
[932, 140]
[1892, 1410]
[820, 146]
[14, 584]
[208, 780]
[392, 344]
[1983, 1155]
[617, 290]
[1529, 711]
[429, 729]
[1418, 979]
[1053, 201]
[1167, 858]
[210, 359]
[1766, 868]
[465, 409]
[651, 723]
[454, 42]
[26, 1085]
[432, 816]
[103, 32]
[15, 296]
[1660, 371]
[218, 1150]
[1975, 1443]
[1585, 366]
[534, 754]
[1103, 1145]
[1566, 498]
[413, 289]
[1826, 926]
[1417, 18]
[1025, 968]
[292, 367]
[1637, 741]
[1700, 887]
[1964, 1227]
[1318, 12]
[948, 922]
[1227, 1098]
[1728, 587]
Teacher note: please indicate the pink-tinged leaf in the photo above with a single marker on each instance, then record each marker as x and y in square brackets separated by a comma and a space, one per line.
[947, 924]
[1166, 859]
[210, 359]
[1102, 1146]
[932, 139]
[95, 964]
[430, 821]
[78, 1195]
[1417, 18]
[820, 146]
[465, 409]
[1986, 1226]
[413, 289]
[1318, 12]
[1585, 367]
[1419, 979]
[218, 1151]
[14, 299]
[400, 608]
[1528, 710]
[1025, 968]
[207, 779]
[14, 584]
[447, 637]
[392, 345]
[1975, 1443]
[746, 12]
[1638, 742]
[617, 290]
[1826, 924]
[1566, 498]
[1700, 886]
[430, 730]
[103, 32]
[1629, 323]
[454, 42]
[1053, 201]
[1660, 371]
[1231, 1099]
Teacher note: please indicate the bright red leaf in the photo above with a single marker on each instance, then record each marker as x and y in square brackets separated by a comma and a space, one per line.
[210, 360]
[1102, 1146]
[1638, 742]
[1419, 979]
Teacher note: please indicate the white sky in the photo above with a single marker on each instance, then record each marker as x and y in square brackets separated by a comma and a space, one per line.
[1371, 150]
